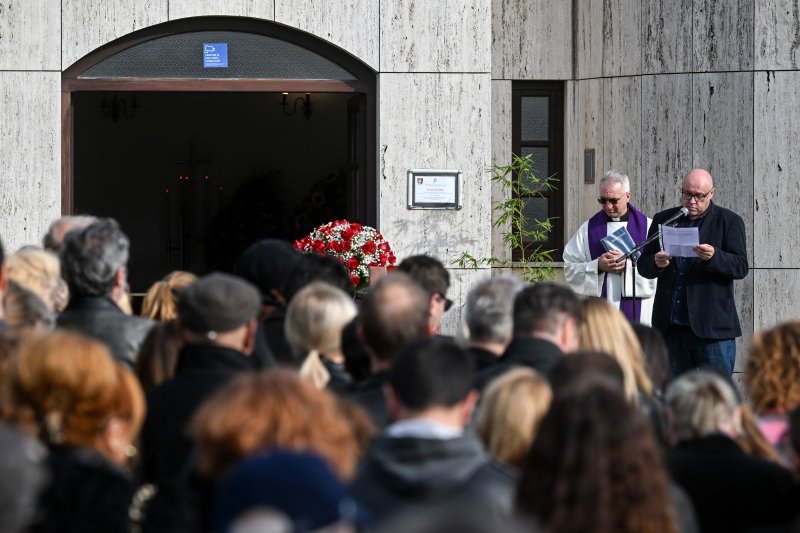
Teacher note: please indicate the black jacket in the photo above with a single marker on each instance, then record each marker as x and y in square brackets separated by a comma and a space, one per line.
[202, 369]
[406, 472]
[730, 490]
[101, 319]
[530, 352]
[369, 395]
[87, 492]
[709, 287]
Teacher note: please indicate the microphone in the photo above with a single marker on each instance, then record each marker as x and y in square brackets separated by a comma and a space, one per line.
[682, 212]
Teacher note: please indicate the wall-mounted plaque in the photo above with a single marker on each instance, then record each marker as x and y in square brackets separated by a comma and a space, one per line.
[434, 189]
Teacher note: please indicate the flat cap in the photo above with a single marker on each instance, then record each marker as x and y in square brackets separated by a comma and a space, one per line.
[217, 302]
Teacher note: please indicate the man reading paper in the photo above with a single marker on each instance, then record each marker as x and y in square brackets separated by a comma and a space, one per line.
[591, 270]
[694, 306]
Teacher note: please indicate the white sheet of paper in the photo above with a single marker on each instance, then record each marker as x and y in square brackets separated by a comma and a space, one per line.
[679, 242]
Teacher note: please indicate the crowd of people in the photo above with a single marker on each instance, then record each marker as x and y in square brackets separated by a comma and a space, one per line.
[275, 399]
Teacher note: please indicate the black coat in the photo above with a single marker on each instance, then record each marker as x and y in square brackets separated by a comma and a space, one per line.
[202, 369]
[709, 284]
[730, 490]
[406, 472]
[531, 352]
[101, 319]
[87, 492]
[369, 395]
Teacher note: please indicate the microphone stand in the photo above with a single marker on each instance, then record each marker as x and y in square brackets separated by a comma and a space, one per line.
[632, 255]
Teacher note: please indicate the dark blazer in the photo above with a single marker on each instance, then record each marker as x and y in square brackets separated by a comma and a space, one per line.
[709, 287]
[531, 352]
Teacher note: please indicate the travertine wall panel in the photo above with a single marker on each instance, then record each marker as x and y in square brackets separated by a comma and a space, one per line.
[501, 154]
[588, 39]
[89, 24]
[775, 299]
[666, 140]
[531, 39]
[350, 24]
[461, 281]
[622, 125]
[30, 141]
[777, 170]
[722, 124]
[30, 35]
[436, 121]
[777, 34]
[722, 38]
[667, 36]
[441, 36]
[235, 8]
[743, 294]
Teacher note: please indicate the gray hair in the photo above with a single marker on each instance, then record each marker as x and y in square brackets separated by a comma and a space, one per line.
[488, 312]
[54, 238]
[92, 257]
[613, 176]
[699, 404]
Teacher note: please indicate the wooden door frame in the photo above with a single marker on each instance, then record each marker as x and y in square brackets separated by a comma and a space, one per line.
[366, 84]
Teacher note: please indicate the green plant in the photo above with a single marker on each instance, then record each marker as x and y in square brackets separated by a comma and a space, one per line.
[519, 183]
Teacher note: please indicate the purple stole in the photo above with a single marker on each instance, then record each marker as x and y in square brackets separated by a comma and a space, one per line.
[637, 227]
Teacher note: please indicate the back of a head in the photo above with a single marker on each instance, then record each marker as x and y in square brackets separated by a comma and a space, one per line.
[315, 267]
[91, 258]
[58, 230]
[274, 408]
[158, 354]
[315, 318]
[428, 271]
[161, 301]
[40, 271]
[656, 356]
[543, 307]
[64, 403]
[394, 312]
[605, 329]
[431, 372]
[571, 480]
[217, 303]
[489, 309]
[512, 407]
[700, 403]
[772, 377]
[26, 312]
[267, 265]
[585, 365]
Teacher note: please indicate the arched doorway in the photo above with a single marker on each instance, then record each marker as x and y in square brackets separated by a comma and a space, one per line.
[202, 135]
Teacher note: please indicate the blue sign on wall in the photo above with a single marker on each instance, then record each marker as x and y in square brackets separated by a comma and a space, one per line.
[215, 55]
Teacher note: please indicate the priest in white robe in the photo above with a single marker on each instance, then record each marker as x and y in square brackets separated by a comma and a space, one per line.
[591, 270]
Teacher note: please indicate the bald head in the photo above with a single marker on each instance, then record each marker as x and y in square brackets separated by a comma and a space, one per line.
[699, 178]
[697, 191]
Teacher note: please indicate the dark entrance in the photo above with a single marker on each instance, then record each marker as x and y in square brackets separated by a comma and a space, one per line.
[197, 168]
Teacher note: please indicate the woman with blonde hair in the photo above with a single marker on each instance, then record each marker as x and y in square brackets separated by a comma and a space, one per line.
[315, 318]
[67, 390]
[40, 272]
[273, 409]
[772, 380]
[511, 410]
[605, 329]
[161, 301]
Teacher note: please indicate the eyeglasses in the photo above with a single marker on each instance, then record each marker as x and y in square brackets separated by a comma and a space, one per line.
[698, 197]
[448, 303]
[612, 201]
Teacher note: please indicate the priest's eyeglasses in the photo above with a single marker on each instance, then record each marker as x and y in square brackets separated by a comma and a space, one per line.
[698, 197]
[612, 201]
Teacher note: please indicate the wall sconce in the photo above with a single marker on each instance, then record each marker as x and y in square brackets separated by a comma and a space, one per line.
[304, 103]
[114, 108]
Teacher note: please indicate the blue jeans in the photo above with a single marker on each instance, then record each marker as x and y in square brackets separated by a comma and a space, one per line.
[688, 352]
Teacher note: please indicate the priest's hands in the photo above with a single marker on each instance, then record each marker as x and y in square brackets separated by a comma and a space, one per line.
[606, 262]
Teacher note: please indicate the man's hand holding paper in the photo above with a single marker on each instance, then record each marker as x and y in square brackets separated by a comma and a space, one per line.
[684, 242]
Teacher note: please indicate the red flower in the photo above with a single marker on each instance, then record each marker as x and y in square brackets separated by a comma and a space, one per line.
[318, 246]
[344, 246]
[384, 247]
[352, 264]
[392, 258]
[333, 246]
[383, 259]
[355, 279]
[356, 227]
[347, 234]
[369, 247]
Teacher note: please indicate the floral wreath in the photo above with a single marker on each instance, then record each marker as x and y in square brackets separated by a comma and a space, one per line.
[357, 247]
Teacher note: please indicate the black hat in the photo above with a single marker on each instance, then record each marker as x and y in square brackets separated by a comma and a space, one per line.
[267, 264]
[217, 302]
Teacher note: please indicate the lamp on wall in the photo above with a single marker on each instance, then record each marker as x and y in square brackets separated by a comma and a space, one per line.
[115, 107]
[304, 103]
